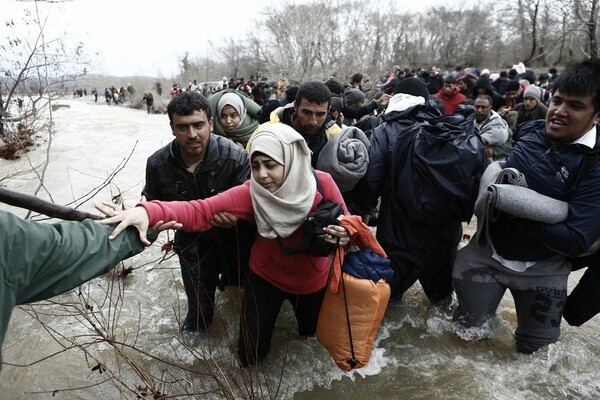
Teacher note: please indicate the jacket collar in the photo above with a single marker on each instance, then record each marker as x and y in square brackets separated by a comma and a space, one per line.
[210, 158]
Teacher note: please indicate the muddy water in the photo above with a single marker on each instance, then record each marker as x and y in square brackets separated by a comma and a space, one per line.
[56, 348]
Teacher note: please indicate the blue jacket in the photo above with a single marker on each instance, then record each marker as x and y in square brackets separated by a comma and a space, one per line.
[552, 170]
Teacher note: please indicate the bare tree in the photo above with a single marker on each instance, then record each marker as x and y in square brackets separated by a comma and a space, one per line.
[35, 69]
[586, 12]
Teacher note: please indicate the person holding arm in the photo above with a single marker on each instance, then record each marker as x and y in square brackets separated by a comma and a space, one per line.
[281, 193]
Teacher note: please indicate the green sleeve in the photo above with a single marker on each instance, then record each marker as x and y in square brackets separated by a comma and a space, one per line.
[43, 260]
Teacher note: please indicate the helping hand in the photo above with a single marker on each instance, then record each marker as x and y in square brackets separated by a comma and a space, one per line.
[136, 216]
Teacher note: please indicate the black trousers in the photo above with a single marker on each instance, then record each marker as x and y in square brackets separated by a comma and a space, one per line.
[262, 303]
[209, 260]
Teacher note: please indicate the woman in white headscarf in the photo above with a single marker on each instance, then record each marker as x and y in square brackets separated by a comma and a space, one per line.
[280, 194]
[236, 115]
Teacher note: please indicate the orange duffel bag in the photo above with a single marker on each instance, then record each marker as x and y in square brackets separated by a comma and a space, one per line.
[349, 318]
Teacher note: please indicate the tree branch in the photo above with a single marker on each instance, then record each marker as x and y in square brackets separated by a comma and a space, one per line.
[36, 204]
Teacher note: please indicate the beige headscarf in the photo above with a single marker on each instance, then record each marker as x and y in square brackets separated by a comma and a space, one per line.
[233, 100]
[282, 212]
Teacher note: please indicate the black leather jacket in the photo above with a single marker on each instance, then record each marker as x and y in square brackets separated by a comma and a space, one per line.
[225, 165]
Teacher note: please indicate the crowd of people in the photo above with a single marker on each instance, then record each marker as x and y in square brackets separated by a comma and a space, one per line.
[249, 163]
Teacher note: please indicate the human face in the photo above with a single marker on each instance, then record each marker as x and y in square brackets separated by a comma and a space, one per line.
[267, 172]
[309, 117]
[462, 85]
[449, 89]
[229, 117]
[570, 117]
[192, 133]
[529, 103]
[483, 109]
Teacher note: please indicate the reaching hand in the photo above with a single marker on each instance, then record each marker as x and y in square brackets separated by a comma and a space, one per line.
[136, 216]
[224, 219]
[383, 100]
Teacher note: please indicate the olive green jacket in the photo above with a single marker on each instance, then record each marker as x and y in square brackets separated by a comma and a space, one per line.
[42, 260]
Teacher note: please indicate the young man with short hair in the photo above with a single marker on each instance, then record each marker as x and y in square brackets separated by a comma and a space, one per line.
[198, 164]
[533, 259]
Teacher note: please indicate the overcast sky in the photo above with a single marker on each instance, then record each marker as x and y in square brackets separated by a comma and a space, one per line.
[146, 37]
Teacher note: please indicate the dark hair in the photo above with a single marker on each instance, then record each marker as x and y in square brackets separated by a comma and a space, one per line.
[314, 92]
[356, 78]
[188, 102]
[581, 80]
[267, 109]
[335, 87]
[449, 79]
[485, 97]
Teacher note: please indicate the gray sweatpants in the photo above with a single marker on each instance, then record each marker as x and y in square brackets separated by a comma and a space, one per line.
[539, 294]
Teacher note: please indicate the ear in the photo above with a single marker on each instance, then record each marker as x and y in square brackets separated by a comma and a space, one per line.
[172, 128]
[210, 124]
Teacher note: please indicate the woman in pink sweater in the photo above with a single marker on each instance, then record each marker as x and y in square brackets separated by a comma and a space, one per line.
[280, 194]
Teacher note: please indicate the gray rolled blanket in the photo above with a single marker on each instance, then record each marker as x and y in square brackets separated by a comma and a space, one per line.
[525, 203]
[345, 157]
[505, 190]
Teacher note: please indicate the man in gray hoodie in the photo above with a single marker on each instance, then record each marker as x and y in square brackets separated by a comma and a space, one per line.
[493, 129]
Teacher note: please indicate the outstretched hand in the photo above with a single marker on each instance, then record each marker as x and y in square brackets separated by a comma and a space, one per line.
[136, 216]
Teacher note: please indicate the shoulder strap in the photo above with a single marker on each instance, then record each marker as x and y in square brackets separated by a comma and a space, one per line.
[303, 244]
[319, 187]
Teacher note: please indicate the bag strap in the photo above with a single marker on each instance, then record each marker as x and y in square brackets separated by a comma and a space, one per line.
[319, 187]
[285, 249]
[352, 361]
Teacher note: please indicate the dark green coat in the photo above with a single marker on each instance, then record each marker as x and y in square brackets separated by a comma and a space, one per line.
[40, 260]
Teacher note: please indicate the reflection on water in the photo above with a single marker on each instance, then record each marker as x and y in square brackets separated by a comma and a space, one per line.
[415, 356]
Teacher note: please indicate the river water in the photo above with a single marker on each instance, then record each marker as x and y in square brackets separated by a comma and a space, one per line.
[119, 338]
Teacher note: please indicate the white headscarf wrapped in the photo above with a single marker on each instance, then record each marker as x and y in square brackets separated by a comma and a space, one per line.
[281, 213]
[233, 100]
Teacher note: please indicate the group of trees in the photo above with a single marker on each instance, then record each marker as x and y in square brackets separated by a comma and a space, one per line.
[319, 39]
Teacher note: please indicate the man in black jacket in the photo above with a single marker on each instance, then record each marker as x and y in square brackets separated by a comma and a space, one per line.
[197, 165]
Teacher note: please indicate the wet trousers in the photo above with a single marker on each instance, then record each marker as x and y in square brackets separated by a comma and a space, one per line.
[262, 303]
[208, 264]
[539, 294]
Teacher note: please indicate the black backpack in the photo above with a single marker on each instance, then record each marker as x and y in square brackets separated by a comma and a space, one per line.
[312, 242]
[437, 164]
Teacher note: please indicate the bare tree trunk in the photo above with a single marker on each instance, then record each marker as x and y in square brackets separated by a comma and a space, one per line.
[592, 29]
[534, 22]
[36, 204]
